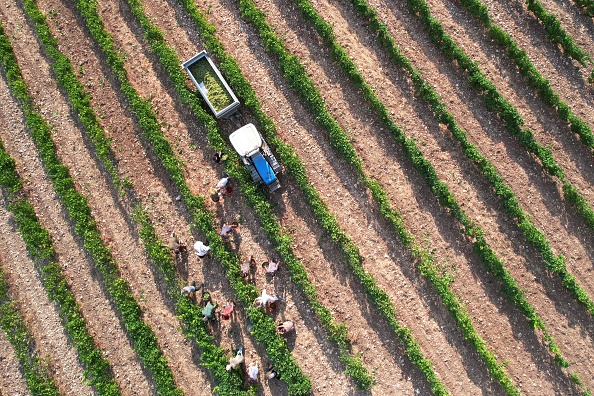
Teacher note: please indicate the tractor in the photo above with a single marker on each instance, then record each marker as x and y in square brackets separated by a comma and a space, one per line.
[256, 156]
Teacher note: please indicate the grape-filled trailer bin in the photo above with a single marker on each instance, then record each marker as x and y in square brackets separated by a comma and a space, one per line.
[211, 85]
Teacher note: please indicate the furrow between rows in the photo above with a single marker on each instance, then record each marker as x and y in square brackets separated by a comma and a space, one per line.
[502, 234]
[11, 376]
[36, 308]
[101, 319]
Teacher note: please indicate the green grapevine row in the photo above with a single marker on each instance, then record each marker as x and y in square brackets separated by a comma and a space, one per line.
[38, 382]
[143, 339]
[513, 121]
[533, 77]
[263, 326]
[299, 81]
[11, 321]
[212, 356]
[39, 245]
[509, 201]
[558, 35]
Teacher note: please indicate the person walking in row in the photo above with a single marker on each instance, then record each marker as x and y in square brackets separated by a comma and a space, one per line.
[271, 372]
[219, 156]
[214, 195]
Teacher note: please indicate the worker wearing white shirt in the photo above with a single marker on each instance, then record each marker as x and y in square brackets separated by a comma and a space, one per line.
[201, 248]
[237, 360]
[265, 300]
[253, 372]
[223, 182]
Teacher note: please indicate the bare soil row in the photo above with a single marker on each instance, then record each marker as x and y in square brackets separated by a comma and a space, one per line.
[450, 171]
[499, 323]
[10, 375]
[164, 218]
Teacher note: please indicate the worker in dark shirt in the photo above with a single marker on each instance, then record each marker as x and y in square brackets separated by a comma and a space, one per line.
[191, 289]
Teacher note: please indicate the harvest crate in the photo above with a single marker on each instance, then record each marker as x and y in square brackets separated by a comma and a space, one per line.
[211, 85]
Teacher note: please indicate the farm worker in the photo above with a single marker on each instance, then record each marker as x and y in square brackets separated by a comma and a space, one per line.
[214, 195]
[224, 186]
[191, 288]
[265, 300]
[237, 360]
[286, 327]
[270, 267]
[228, 310]
[252, 372]
[246, 265]
[223, 182]
[209, 311]
[271, 372]
[175, 244]
[201, 249]
[226, 230]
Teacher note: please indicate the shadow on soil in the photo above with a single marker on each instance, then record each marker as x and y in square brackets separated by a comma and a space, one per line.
[217, 281]
[545, 115]
[494, 293]
[162, 175]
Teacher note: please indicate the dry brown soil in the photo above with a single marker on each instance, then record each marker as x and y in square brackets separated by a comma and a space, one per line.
[504, 329]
